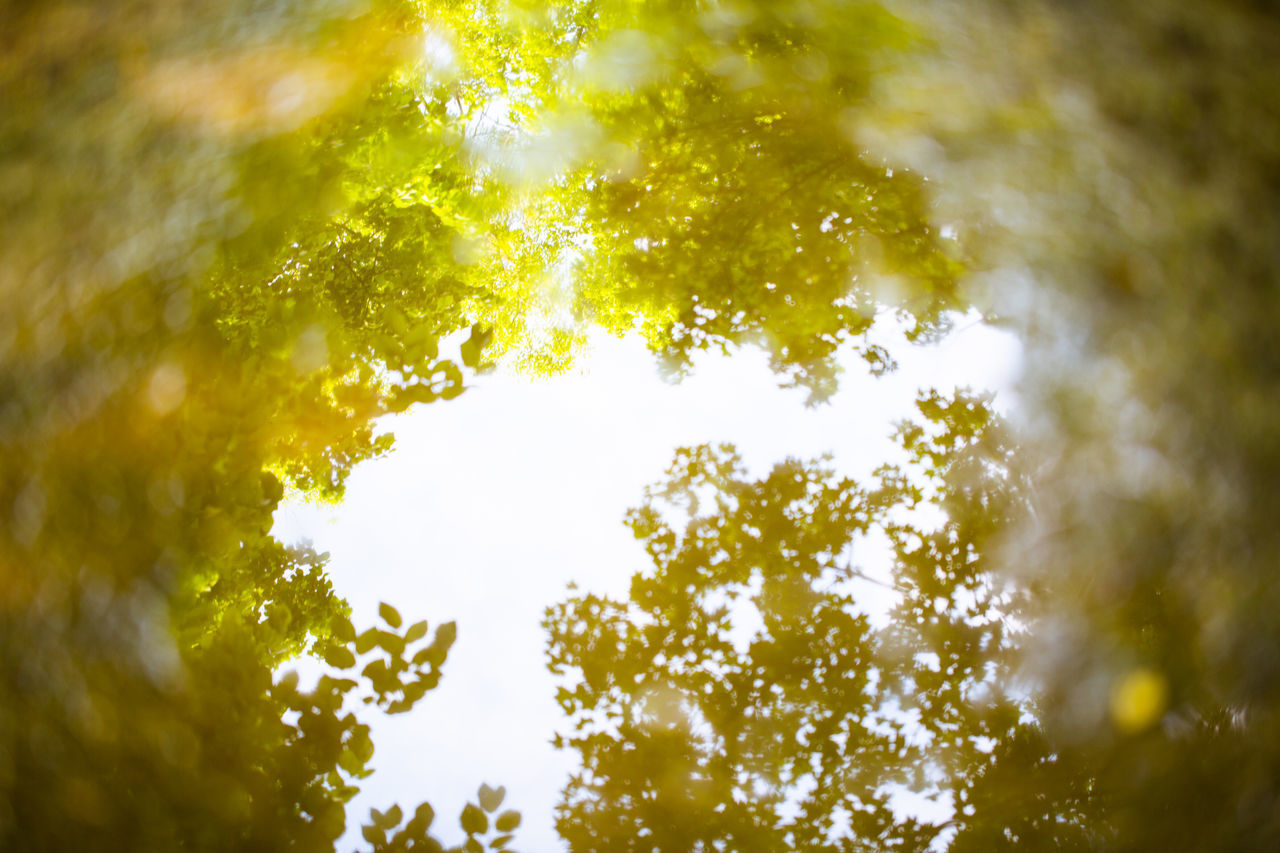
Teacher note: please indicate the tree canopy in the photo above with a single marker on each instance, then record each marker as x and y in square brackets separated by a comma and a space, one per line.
[791, 738]
[233, 236]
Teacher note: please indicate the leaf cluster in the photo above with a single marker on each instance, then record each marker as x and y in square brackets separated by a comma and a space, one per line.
[750, 693]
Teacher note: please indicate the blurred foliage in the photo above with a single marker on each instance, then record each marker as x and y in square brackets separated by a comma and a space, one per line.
[1112, 168]
[724, 203]
[235, 235]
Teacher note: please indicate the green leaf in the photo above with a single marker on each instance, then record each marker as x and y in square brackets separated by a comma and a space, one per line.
[416, 632]
[331, 820]
[446, 634]
[348, 761]
[389, 614]
[366, 641]
[343, 630]
[380, 676]
[339, 656]
[508, 821]
[361, 744]
[473, 820]
[491, 798]
[391, 643]
[470, 354]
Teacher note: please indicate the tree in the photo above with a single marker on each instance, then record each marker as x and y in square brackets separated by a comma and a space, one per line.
[760, 690]
[1108, 176]
[722, 199]
[209, 295]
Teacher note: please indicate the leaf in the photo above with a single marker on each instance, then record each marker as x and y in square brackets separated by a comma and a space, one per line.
[366, 641]
[508, 821]
[361, 744]
[389, 614]
[375, 835]
[331, 820]
[474, 821]
[380, 676]
[491, 798]
[470, 354]
[348, 761]
[391, 643]
[339, 656]
[416, 632]
[470, 348]
[343, 631]
[415, 690]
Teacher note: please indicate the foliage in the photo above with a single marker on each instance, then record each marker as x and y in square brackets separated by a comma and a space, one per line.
[227, 250]
[1113, 167]
[752, 695]
[723, 201]
[233, 236]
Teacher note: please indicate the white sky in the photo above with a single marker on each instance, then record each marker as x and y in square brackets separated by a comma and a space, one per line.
[493, 502]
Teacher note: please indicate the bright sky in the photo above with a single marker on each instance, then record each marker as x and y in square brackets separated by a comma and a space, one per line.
[493, 502]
